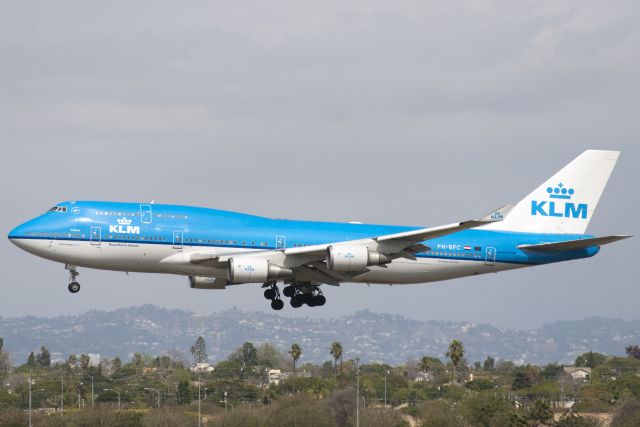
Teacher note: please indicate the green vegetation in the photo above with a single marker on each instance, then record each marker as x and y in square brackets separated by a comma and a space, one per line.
[262, 386]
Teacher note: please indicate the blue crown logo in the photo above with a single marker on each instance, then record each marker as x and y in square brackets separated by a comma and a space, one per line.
[560, 192]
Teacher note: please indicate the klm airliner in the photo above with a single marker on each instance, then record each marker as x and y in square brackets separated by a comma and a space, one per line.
[216, 248]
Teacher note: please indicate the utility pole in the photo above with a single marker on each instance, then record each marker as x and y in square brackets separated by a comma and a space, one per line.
[92, 398]
[30, 382]
[386, 372]
[199, 403]
[79, 394]
[357, 392]
[62, 394]
[115, 391]
[157, 391]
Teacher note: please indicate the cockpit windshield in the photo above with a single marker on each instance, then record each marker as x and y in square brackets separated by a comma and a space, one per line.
[58, 209]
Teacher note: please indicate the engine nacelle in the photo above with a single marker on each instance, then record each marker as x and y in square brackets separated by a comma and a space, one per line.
[201, 282]
[353, 258]
[254, 270]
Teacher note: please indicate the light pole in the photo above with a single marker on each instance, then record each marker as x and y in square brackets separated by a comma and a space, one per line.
[62, 394]
[79, 395]
[157, 391]
[92, 399]
[30, 394]
[357, 392]
[116, 392]
[386, 372]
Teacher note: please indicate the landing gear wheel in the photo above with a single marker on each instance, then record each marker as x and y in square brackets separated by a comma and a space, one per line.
[296, 301]
[74, 287]
[270, 294]
[289, 291]
[320, 300]
[309, 300]
[277, 304]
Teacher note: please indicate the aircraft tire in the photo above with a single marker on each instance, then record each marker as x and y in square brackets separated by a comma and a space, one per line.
[270, 293]
[74, 287]
[310, 300]
[296, 301]
[277, 304]
[289, 291]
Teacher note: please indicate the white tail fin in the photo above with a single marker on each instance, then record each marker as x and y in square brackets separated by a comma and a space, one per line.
[565, 203]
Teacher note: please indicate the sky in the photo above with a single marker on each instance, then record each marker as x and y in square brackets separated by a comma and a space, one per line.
[416, 113]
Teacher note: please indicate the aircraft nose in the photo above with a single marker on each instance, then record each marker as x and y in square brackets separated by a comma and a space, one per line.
[17, 233]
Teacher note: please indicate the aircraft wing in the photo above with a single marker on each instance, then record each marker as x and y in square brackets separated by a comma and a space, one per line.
[407, 241]
[308, 262]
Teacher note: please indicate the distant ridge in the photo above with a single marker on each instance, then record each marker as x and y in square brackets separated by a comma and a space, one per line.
[371, 336]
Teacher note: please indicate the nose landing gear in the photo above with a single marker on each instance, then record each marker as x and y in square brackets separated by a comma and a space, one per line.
[74, 287]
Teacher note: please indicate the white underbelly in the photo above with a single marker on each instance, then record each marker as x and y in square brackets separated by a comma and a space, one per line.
[152, 258]
[425, 270]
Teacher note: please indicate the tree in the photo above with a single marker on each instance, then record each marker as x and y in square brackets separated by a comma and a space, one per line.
[336, 352]
[117, 363]
[44, 357]
[489, 363]
[269, 356]
[521, 380]
[540, 412]
[4, 357]
[183, 395]
[295, 352]
[573, 420]
[456, 354]
[85, 361]
[199, 351]
[31, 360]
[632, 351]
[425, 365]
[590, 359]
[72, 361]
[249, 354]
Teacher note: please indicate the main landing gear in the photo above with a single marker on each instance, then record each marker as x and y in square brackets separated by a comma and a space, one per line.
[299, 294]
[74, 287]
[310, 295]
[273, 293]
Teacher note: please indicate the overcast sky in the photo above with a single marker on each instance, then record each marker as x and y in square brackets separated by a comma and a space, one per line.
[419, 113]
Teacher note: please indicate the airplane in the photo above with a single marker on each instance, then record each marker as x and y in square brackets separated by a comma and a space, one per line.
[216, 248]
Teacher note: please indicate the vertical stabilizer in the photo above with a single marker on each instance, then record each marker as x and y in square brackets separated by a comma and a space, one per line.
[565, 203]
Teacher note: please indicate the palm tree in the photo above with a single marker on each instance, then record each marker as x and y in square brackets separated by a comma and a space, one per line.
[336, 352]
[456, 354]
[295, 352]
[425, 365]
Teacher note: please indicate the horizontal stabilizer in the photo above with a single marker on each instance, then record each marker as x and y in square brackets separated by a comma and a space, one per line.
[572, 245]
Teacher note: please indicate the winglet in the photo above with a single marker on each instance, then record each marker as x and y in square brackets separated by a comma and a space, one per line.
[497, 215]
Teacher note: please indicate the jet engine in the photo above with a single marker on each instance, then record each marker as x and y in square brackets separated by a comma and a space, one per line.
[254, 270]
[353, 258]
[201, 282]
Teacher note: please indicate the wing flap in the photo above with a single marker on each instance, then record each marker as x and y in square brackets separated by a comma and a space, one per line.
[572, 245]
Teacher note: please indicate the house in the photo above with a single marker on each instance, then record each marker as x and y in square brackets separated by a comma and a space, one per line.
[202, 367]
[578, 373]
[275, 375]
[423, 376]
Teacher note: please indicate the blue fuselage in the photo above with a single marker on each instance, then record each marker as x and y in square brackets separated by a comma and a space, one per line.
[178, 227]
